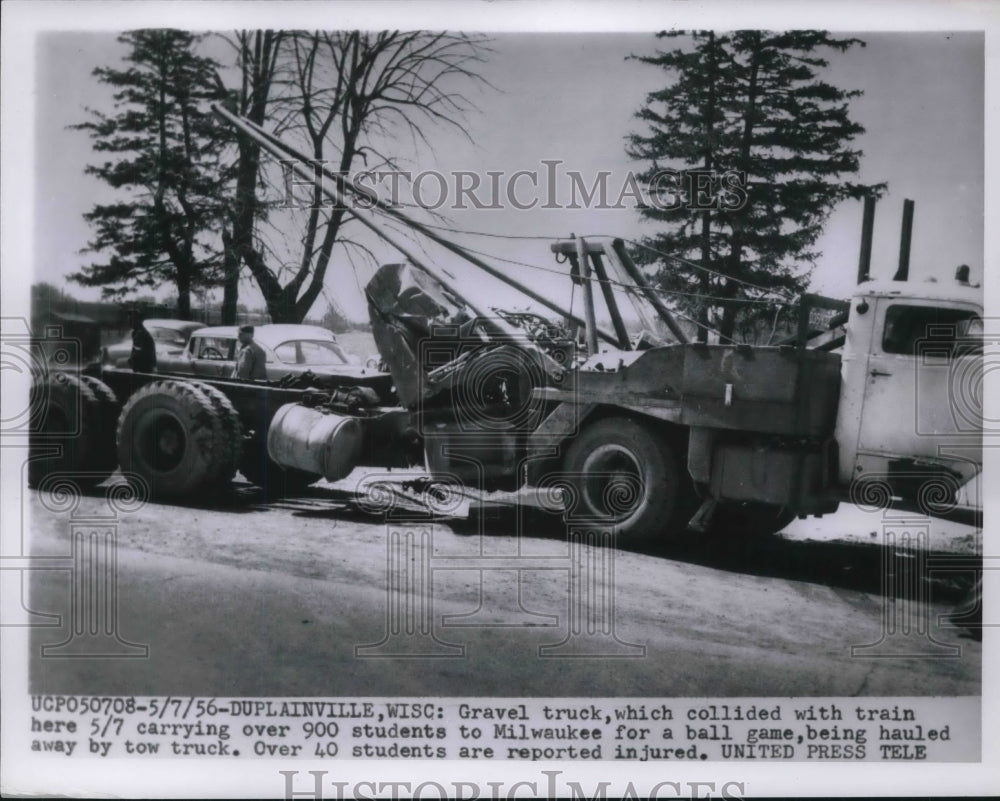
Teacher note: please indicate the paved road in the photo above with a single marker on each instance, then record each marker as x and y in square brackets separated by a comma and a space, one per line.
[255, 598]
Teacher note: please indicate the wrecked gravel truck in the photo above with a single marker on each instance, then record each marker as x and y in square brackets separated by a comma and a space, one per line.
[646, 436]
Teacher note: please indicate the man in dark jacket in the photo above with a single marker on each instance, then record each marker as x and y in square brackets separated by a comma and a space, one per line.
[250, 358]
[142, 359]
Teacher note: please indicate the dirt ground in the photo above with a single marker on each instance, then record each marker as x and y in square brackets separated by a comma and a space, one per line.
[325, 596]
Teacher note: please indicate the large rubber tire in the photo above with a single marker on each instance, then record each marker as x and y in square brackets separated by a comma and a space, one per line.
[106, 454]
[627, 474]
[67, 413]
[231, 424]
[171, 436]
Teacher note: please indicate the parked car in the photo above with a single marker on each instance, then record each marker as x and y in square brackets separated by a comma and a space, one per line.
[169, 338]
[290, 350]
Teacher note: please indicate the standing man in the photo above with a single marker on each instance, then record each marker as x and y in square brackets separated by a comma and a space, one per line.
[142, 359]
[250, 358]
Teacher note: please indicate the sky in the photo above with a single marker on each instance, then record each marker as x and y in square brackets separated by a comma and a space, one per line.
[572, 97]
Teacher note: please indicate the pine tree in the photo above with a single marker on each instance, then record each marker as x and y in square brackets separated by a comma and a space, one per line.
[750, 105]
[164, 163]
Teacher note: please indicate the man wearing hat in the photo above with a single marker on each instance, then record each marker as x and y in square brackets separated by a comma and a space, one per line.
[250, 359]
[142, 358]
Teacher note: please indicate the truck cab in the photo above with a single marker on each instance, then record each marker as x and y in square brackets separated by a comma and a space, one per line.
[910, 408]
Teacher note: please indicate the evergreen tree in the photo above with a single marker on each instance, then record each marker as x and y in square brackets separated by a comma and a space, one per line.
[750, 104]
[164, 162]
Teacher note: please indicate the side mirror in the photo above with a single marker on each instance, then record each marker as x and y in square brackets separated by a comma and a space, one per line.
[862, 307]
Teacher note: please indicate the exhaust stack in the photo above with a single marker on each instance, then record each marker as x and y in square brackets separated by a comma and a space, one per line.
[903, 271]
[867, 228]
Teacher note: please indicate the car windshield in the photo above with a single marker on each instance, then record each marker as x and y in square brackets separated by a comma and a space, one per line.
[310, 351]
[169, 335]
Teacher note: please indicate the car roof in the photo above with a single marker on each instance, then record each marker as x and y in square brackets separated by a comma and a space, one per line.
[217, 331]
[177, 325]
[271, 334]
[282, 332]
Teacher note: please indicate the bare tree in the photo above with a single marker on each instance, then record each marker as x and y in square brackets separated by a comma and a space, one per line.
[257, 60]
[344, 98]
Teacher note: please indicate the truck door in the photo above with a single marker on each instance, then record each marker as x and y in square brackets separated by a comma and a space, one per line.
[921, 385]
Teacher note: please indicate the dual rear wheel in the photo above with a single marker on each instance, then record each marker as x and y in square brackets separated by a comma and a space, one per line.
[71, 420]
[186, 439]
[180, 439]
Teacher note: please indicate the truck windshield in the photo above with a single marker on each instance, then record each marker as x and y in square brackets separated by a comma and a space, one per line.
[932, 331]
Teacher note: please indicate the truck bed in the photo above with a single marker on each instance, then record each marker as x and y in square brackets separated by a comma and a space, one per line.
[784, 391]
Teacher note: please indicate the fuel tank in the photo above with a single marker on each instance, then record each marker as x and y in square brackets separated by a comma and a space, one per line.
[316, 441]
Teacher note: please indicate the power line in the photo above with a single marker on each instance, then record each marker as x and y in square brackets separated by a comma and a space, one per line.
[678, 259]
[491, 234]
[623, 284]
[697, 266]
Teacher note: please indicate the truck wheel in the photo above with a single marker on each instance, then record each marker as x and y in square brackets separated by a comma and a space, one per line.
[170, 434]
[231, 424]
[627, 474]
[106, 454]
[68, 416]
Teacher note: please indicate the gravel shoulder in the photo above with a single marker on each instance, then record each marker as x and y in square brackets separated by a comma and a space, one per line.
[247, 597]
